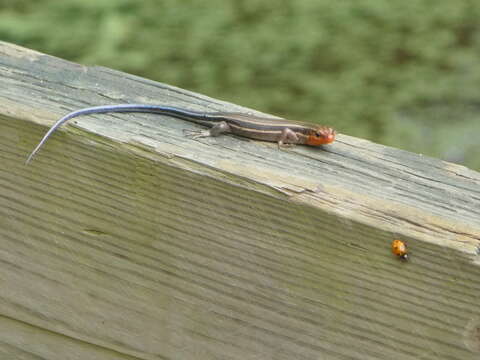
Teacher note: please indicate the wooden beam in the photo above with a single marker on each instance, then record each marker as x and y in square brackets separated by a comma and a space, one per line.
[126, 236]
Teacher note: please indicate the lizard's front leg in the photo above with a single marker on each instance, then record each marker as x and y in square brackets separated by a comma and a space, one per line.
[288, 138]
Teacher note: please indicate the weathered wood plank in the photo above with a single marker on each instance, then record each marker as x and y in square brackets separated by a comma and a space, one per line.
[21, 341]
[126, 235]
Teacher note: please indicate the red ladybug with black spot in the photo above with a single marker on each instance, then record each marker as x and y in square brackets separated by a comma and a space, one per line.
[399, 248]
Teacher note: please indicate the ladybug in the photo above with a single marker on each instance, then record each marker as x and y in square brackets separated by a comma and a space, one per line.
[399, 248]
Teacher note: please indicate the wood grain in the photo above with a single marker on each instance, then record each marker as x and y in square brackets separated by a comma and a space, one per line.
[125, 237]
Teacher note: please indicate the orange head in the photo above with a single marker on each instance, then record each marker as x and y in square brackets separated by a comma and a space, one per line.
[320, 135]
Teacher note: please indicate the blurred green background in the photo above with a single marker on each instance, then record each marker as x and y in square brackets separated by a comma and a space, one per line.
[402, 73]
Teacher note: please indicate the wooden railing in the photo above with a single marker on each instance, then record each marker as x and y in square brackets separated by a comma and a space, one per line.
[124, 239]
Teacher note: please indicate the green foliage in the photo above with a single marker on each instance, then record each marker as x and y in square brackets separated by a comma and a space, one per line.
[398, 72]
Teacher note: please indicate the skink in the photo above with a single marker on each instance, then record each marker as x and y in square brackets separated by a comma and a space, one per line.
[284, 132]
